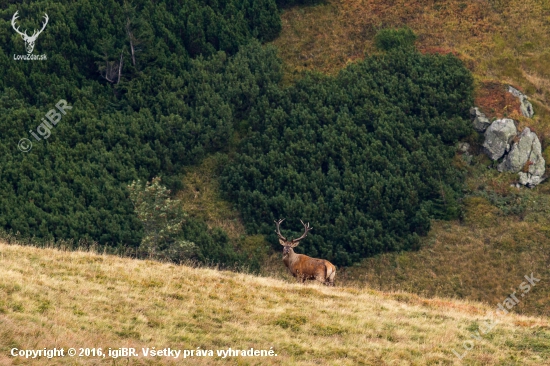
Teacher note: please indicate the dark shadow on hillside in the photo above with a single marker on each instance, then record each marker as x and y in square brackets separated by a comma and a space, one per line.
[286, 4]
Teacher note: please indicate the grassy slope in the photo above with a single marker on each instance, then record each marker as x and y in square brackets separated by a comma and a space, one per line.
[50, 298]
[200, 197]
[103, 301]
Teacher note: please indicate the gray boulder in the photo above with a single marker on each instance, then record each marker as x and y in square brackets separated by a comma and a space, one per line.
[480, 121]
[525, 158]
[535, 172]
[538, 163]
[526, 107]
[529, 180]
[519, 153]
[498, 137]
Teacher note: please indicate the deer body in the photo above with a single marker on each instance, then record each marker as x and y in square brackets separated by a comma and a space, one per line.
[303, 267]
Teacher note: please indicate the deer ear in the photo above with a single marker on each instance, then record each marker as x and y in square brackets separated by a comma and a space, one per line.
[294, 244]
[282, 242]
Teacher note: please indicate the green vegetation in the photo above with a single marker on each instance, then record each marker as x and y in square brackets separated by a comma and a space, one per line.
[366, 155]
[176, 101]
[387, 39]
[162, 219]
[155, 88]
[503, 236]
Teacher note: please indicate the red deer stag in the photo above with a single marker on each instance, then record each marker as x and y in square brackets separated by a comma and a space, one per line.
[301, 266]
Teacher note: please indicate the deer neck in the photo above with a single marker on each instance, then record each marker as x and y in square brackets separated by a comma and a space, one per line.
[290, 258]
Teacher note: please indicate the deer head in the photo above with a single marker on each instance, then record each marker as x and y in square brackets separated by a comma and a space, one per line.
[29, 40]
[288, 244]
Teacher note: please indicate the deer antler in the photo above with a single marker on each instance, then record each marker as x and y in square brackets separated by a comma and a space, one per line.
[278, 231]
[307, 228]
[13, 19]
[37, 33]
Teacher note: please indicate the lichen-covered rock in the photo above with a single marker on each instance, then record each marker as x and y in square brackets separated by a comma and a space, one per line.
[525, 157]
[526, 107]
[529, 180]
[498, 137]
[479, 120]
[519, 153]
[536, 166]
[537, 163]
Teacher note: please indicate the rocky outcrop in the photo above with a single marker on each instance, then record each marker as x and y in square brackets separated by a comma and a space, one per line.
[526, 107]
[529, 180]
[480, 121]
[498, 137]
[519, 153]
[525, 158]
[533, 172]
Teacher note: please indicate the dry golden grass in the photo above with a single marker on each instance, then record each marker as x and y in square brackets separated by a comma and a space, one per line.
[486, 263]
[50, 298]
[325, 37]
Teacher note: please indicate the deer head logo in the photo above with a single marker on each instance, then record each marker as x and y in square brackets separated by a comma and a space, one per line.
[29, 40]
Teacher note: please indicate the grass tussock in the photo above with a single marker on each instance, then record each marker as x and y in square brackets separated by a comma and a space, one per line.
[51, 298]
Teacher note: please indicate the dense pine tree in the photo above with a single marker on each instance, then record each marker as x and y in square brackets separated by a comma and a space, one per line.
[365, 157]
[157, 86]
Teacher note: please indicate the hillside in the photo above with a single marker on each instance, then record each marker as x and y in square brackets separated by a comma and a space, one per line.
[499, 41]
[503, 231]
[50, 298]
[161, 87]
[255, 110]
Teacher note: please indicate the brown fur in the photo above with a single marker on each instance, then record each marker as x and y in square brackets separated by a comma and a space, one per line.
[305, 268]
